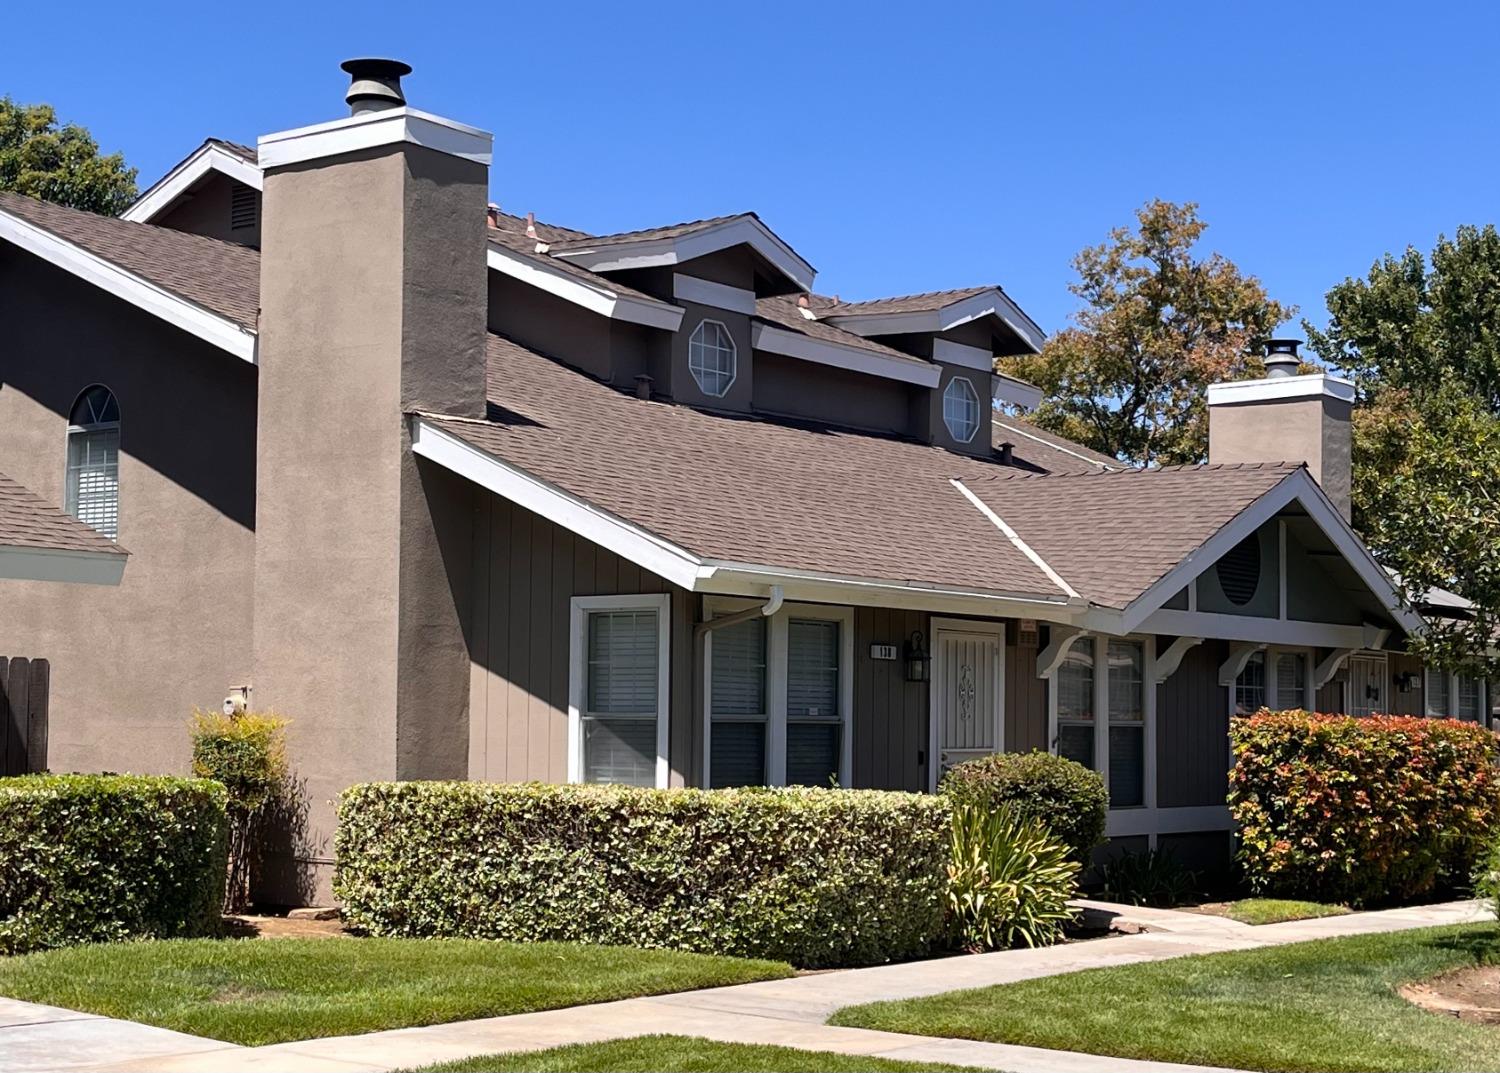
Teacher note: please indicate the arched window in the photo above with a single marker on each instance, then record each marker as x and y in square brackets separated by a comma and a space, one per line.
[93, 486]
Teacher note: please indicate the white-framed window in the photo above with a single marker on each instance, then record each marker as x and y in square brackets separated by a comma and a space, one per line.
[1470, 693]
[1438, 699]
[1455, 696]
[618, 689]
[711, 358]
[1107, 721]
[779, 691]
[92, 487]
[961, 409]
[1275, 678]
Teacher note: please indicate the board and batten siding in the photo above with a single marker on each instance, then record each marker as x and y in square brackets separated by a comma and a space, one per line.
[890, 713]
[1192, 731]
[526, 572]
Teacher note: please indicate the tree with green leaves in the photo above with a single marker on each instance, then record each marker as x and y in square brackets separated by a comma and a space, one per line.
[61, 164]
[1158, 325]
[1421, 339]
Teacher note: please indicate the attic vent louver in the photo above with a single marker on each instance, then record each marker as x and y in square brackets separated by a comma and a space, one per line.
[244, 206]
[1239, 571]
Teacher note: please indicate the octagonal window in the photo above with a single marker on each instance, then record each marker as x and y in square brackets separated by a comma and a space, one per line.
[961, 409]
[711, 358]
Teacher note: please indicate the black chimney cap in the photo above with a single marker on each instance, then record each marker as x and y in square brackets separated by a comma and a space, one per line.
[374, 84]
[1282, 358]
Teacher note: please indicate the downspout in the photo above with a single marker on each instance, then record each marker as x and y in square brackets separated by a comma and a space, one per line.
[703, 629]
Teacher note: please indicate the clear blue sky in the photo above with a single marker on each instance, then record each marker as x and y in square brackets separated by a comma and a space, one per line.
[898, 147]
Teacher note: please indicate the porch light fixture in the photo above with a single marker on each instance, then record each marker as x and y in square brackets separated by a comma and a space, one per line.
[918, 662]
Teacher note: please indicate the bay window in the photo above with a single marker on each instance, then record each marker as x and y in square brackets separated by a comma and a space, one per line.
[779, 700]
[617, 691]
[1103, 721]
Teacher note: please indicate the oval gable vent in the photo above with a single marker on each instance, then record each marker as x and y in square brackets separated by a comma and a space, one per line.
[1239, 571]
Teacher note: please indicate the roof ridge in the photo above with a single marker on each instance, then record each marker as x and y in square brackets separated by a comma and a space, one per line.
[614, 235]
[977, 288]
[1147, 471]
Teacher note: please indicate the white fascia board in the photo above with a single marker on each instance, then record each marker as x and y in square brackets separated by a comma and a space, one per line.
[629, 541]
[389, 127]
[127, 286]
[1254, 630]
[73, 567]
[1016, 392]
[662, 252]
[166, 190]
[1297, 485]
[599, 300]
[776, 340]
[970, 357]
[708, 293]
[1281, 387]
[932, 321]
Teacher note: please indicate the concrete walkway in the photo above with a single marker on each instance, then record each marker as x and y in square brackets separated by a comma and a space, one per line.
[39, 1039]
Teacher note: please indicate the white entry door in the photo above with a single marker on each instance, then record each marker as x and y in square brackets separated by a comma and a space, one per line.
[967, 692]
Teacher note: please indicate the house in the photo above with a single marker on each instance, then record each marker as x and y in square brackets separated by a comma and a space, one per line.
[467, 495]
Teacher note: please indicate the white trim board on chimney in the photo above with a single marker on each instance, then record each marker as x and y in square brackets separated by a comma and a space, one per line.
[391, 126]
[1269, 389]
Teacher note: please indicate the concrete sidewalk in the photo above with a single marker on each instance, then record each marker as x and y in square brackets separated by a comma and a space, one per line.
[785, 1012]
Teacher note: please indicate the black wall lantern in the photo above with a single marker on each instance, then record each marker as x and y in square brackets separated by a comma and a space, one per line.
[917, 660]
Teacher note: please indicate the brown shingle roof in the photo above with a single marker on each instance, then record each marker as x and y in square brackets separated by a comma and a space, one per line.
[828, 500]
[649, 234]
[518, 243]
[29, 521]
[222, 277]
[784, 313]
[244, 152]
[1047, 451]
[1113, 535]
[907, 303]
[516, 225]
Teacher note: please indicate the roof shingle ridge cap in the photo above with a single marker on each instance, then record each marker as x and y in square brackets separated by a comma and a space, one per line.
[973, 289]
[613, 235]
[1140, 471]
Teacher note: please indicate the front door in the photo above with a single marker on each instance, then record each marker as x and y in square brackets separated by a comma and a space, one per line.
[967, 693]
[1367, 685]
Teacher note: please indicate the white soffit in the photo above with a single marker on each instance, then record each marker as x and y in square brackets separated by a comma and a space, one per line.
[970, 357]
[776, 340]
[78, 567]
[680, 249]
[992, 302]
[708, 293]
[389, 127]
[165, 192]
[598, 299]
[125, 285]
[1308, 385]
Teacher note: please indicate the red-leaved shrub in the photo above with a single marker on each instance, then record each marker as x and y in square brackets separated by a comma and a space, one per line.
[1358, 810]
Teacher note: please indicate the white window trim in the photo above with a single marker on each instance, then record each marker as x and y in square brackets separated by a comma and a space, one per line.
[1149, 685]
[1308, 702]
[776, 663]
[734, 357]
[1429, 673]
[978, 410]
[581, 607]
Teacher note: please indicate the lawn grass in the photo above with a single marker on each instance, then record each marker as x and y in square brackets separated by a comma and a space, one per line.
[676, 1054]
[1278, 910]
[258, 991]
[1327, 1005]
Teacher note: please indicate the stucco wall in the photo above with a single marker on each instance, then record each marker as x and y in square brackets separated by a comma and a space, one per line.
[206, 211]
[130, 662]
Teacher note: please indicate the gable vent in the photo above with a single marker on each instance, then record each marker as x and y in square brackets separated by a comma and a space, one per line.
[244, 207]
[1239, 571]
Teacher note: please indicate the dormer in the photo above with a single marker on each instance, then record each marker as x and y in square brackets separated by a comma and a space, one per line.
[215, 191]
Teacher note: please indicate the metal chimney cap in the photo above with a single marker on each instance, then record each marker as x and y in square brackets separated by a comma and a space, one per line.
[374, 84]
[1281, 357]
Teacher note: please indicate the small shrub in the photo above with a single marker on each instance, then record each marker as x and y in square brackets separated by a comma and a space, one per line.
[811, 876]
[102, 858]
[1066, 796]
[247, 753]
[1152, 878]
[1009, 880]
[1487, 877]
[1334, 808]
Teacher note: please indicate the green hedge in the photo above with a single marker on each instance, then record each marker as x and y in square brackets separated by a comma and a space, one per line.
[815, 877]
[100, 858]
[1066, 796]
[1335, 808]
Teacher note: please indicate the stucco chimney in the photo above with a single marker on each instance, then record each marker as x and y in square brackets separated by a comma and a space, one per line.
[373, 305]
[1286, 417]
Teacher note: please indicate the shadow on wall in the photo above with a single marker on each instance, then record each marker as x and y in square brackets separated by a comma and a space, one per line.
[283, 874]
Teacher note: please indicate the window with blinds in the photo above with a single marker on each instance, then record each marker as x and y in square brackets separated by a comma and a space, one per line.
[1250, 686]
[1439, 701]
[814, 725]
[621, 697]
[1075, 704]
[1126, 684]
[1469, 699]
[1291, 680]
[92, 486]
[737, 705]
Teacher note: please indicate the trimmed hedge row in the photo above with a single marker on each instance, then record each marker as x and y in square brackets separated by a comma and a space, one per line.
[1343, 809]
[815, 877]
[100, 858]
[1064, 795]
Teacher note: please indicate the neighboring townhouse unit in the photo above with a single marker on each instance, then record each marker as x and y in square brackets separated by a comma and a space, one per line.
[467, 495]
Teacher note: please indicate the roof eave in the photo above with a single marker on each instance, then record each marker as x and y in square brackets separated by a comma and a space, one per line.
[25, 563]
[170, 188]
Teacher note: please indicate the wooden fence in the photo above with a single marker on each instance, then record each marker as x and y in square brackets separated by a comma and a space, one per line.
[23, 715]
